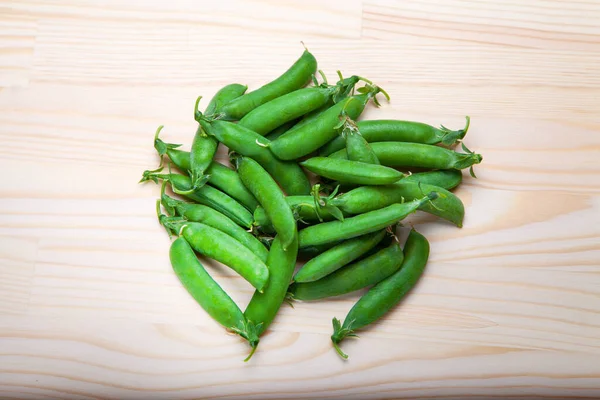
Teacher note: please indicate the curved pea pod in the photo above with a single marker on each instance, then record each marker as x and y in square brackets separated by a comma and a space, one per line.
[221, 247]
[217, 220]
[206, 195]
[204, 147]
[298, 75]
[288, 174]
[444, 178]
[361, 224]
[400, 154]
[209, 295]
[294, 105]
[360, 274]
[400, 131]
[270, 197]
[263, 307]
[385, 295]
[356, 172]
[202, 287]
[368, 198]
[203, 151]
[336, 257]
[304, 138]
[225, 95]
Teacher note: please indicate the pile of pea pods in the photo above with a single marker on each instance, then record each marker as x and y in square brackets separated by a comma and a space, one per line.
[263, 215]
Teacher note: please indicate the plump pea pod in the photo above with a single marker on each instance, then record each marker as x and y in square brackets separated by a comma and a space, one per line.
[305, 138]
[368, 198]
[221, 247]
[270, 197]
[248, 143]
[263, 307]
[204, 147]
[224, 96]
[361, 224]
[217, 220]
[356, 172]
[400, 131]
[293, 105]
[362, 273]
[203, 151]
[400, 154]
[219, 176]
[336, 257]
[385, 295]
[444, 178]
[206, 195]
[297, 76]
[203, 288]
[330, 103]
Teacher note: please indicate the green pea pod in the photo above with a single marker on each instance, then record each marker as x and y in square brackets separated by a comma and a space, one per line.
[444, 178]
[400, 154]
[203, 151]
[297, 76]
[217, 220]
[224, 96]
[202, 287]
[356, 172]
[263, 307]
[221, 247]
[362, 224]
[305, 138]
[293, 105]
[204, 147]
[368, 198]
[360, 274]
[206, 195]
[385, 295]
[336, 257]
[270, 197]
[288, 174]
[400, 131]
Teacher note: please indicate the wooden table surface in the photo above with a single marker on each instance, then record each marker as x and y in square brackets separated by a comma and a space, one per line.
[89, 305]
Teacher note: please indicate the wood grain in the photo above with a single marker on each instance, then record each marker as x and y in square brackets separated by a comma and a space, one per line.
[89, 306]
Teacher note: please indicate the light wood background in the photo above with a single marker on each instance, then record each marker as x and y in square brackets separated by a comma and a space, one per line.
[89, 306]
